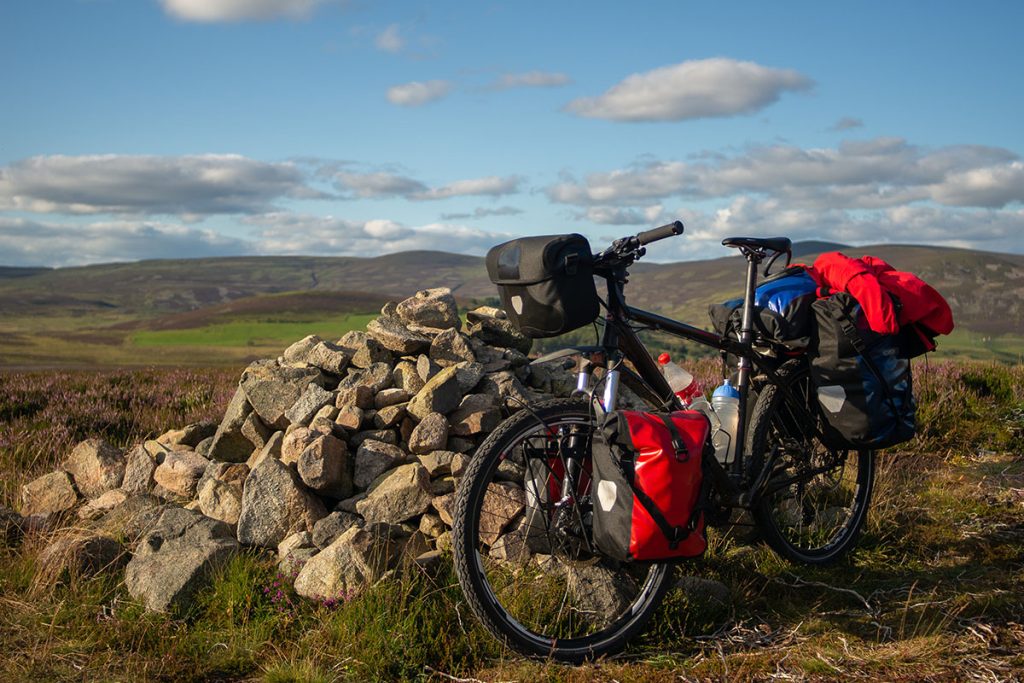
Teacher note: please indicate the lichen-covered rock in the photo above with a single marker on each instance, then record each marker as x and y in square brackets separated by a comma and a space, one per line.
[431, 434]
[359, 395]
[389, 417]
[431, 525]
[297, 353]
[397, 495]
[190, 435]
[272, 389]
[176, 558]
[180, 472]
[364, 350]
[426, 368]
[444, 506]
[390, 397]
[323, 466]
[374, 458]
[330, 358]
[431, 308]
[221, 500]
[95, 466]
[138, 470]
[97, 507]
[328, 529]
[506, 387]
[395, 336]
[295, 441]
[272, 449]
[496, 331]
[229, 443]
[476, 414]
[451, 347]
[437, 463]
[406, 377]
[502, 505]
[274, 505]
[468, 375]
[439, 395]
[255, 432]
[350, 418]
[354, 561]
[50, 494]
[312, 400]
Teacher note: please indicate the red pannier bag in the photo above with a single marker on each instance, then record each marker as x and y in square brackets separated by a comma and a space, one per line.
[647, 480]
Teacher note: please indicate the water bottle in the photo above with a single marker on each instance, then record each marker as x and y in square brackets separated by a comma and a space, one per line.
[682, 383]
[726, 403]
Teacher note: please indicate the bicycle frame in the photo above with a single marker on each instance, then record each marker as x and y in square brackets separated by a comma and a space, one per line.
[621, 340]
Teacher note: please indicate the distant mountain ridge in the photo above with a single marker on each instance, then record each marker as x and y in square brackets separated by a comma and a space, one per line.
[985, 289]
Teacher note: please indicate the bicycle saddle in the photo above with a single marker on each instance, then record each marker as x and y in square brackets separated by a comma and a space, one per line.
[772, 243]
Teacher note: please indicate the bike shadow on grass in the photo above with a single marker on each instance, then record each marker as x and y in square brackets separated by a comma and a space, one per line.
[746, 597]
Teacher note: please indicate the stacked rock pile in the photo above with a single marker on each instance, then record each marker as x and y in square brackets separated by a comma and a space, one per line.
[340, 456]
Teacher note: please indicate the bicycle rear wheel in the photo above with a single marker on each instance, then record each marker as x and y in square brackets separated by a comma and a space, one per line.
[816, 499]
[522, 545]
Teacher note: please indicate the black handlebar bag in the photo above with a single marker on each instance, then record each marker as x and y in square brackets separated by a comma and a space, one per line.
[862, 379]
[648, 475]
[546, 283]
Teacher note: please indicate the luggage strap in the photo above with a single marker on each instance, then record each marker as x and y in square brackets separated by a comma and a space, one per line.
[682, 452]
[861, 348]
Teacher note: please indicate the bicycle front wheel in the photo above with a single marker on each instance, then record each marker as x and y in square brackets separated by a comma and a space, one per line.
[522, 542]
[815, 500]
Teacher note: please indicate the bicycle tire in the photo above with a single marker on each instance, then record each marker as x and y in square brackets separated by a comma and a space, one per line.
[769, 426]
[496, 608]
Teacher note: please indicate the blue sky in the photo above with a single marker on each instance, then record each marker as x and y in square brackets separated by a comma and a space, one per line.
[180, 128]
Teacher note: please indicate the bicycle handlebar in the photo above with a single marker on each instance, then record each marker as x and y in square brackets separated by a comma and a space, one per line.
[661, 233]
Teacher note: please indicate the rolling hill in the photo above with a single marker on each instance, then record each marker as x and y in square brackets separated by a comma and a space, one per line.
[231, 309]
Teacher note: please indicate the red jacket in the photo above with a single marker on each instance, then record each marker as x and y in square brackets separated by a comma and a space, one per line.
[874, 284]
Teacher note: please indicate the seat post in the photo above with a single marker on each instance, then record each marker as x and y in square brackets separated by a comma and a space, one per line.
[746, 338]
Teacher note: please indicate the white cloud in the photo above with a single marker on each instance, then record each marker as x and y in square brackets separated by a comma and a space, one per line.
[846, 123]
[482, 212]
[491, 186]
[192, 185]
[418, 93]
[879, 173]
[610, 215]
[379, 185]
[209, 11]
[34, 243]
[691, 90]
[281, 233]
[531, 79]
[985, 229]
[390, 39]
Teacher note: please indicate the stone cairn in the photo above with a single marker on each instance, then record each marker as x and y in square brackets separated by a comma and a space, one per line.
[342, 457]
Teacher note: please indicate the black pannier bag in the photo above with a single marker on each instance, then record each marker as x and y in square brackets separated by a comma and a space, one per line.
[782, 310]
[862, 379]
[647, 485]
[546, 283]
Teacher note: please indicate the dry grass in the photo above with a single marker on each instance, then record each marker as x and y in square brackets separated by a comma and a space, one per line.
[934, 592]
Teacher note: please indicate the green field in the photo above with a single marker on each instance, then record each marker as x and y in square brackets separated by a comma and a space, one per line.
[1008, 348]
[251, 333]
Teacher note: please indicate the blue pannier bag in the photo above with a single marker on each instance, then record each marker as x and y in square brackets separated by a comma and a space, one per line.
[782, 310]
[862, 380]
